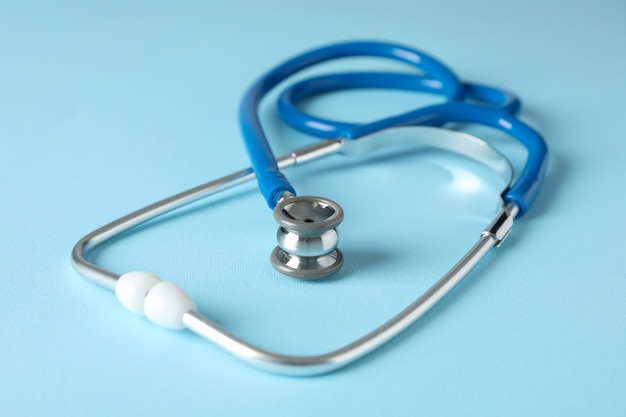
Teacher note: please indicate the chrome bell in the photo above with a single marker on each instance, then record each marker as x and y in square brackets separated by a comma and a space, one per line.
[307, 237]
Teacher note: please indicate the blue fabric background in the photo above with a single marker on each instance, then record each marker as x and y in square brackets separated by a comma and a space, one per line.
[108, 106]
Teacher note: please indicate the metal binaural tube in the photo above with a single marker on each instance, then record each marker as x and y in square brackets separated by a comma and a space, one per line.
[327, 362]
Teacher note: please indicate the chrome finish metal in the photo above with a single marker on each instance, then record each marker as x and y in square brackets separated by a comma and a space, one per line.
[458, 142]
[87, 243]
[307, 215]
[327, 362]
[296, 244]
[284, 195]
[306, 267]
[307, 237]
[311, 365]
[501, 226]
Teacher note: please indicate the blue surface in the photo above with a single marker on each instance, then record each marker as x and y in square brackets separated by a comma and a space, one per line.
[105, 108]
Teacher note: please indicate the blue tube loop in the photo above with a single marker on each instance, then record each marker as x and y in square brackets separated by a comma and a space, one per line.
[488, 106]
[328, 129]
[272, 183]
[467, 103]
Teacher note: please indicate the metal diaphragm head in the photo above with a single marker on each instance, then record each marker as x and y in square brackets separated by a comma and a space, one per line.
[307, 237]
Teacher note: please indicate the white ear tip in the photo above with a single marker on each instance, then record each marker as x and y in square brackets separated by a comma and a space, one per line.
[132, 287]
[165, 305]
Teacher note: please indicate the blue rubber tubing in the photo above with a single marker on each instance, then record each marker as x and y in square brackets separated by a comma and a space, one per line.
[467, 103]
[488, 106]
[272, 183]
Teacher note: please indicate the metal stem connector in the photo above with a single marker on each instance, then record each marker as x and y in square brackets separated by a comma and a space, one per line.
[501, 226]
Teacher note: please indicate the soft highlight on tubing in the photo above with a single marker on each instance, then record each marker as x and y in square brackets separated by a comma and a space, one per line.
[271, 181]
[465, 102]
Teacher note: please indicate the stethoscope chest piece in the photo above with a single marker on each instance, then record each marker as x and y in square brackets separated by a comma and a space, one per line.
[307, 237]
[307, 226]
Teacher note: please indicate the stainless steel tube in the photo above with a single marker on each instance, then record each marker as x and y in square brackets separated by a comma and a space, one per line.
[311, 365]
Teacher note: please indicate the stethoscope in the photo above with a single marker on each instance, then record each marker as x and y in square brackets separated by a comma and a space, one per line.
[307, 236]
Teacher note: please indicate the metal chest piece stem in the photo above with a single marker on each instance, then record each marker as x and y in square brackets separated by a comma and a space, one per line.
[307, 237]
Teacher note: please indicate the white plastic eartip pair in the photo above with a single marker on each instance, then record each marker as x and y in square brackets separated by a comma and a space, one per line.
[163, 303]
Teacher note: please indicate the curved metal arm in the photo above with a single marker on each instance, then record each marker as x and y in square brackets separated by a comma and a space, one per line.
[320, 364]
[312, 365]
